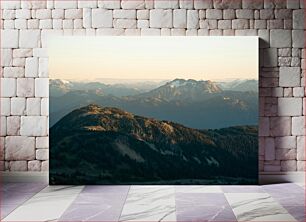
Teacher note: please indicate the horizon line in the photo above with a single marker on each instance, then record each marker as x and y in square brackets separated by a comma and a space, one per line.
[131, 79]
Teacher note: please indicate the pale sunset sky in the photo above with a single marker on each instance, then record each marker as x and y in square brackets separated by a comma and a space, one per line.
[199, 58]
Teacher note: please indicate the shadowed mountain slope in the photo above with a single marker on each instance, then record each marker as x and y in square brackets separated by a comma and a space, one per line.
[100, 145]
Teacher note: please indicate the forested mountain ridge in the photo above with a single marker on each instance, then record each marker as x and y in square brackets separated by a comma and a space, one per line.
[103, 145]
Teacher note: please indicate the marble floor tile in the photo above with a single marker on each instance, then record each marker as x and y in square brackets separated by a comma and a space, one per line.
[106, 189]
[97, 198]
[203, 207]
[197, 189]
[62, 190]
[97, 203]
[36, 202]
[257, 207]
[301, 185]
[22, 187]
[9, 198]
[298, 212]
[207, 213]
[204, 199]
[95, 207]
[149, 203]
[47, 205]
[87, 212]
[6, 210]
[289, 199]
[283, 188]
[14, 194]
[242, 189]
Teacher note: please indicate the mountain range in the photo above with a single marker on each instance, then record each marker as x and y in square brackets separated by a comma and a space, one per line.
[60, 87]
[195, 104]
[239, 85]
[105, 145]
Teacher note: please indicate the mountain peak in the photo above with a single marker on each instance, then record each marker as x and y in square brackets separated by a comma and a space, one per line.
[182, 82]
[177, 82]
[95, 111]
[181, 89]
[59, 82]
[204, 84]
[93, 106]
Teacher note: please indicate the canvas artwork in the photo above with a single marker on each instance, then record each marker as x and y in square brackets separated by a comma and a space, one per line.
[153, 110]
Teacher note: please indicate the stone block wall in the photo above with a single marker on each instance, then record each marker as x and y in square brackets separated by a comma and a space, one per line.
[26, 26]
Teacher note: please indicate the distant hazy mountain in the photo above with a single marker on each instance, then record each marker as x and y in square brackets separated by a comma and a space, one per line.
[196, 104]
[96, 145]
[180, 89]
[239, 85]
[61, 87]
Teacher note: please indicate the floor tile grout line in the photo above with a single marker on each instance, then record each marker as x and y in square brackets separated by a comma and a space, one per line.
[71, 203]
[20, 204]
[283, 206]
[127, 194]
[24, 202]
[229, 204]
[175, 209]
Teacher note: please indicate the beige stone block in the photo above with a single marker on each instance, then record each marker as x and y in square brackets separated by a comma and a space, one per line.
[192, 19]
[165, 4]
[29, 38]
[102, 18]
[3, 126]
[45, 165]
[269, 149]
[31, 67]
[8, 87]
[160, 18]
[11, 72]
[42, 142]
[41, 87]
[25, 87]
[18, 106]
[285, 154]
[5, 106]
[13, 125]
[33, 106]
[289, 106]
[285, 142]
[180, 18]
[109, 4]
[34, 165]
[289, 76]
[150, 32]
[288, 165]
[34, 126]
[66, 4]
[42, 154]
[298, 126]
[125, 13]
[301, 148]
[18, 166]
[280, 126]
[9, 38]
[19, 148]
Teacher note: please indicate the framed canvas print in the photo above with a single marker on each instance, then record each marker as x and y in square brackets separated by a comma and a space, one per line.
[153, 110]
